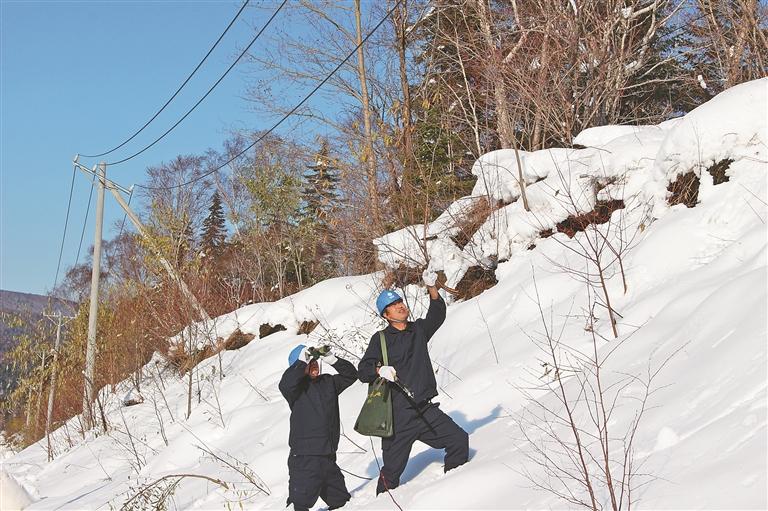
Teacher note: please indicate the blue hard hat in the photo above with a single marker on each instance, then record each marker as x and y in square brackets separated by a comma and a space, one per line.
[385, 299]
[294, 355]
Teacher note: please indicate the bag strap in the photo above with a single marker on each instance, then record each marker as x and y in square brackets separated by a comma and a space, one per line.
[383, 347]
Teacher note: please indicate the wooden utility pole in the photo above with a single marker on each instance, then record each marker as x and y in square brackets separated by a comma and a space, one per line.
[91, 347]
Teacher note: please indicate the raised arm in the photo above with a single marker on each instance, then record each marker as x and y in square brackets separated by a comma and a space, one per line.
[435, 314]
[291, 384]
[346, 377]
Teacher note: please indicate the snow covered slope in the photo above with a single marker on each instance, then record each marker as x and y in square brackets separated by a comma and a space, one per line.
[694, 310]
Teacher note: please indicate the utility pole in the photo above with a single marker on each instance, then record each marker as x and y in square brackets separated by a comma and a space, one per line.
[90, 351]
[52, 390]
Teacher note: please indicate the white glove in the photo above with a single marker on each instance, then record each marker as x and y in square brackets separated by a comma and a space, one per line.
[304, 355]
[429, 277]
[388, 373]
[329, 359]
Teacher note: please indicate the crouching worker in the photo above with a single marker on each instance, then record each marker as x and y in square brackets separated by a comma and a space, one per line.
[413, 385]
[314, 435]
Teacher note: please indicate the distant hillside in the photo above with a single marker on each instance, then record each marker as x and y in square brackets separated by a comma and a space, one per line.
[11, 301]
[29, 307]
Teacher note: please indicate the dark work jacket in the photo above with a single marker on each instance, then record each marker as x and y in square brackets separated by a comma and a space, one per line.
[407, 353]
[315, 406]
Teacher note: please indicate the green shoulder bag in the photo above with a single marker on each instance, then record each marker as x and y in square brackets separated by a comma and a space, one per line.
[375, 417]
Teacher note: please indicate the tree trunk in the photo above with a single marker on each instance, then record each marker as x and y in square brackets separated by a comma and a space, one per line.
[504, 121]
[368, 153]
[28, 419]
[401, 21]
[537, 141]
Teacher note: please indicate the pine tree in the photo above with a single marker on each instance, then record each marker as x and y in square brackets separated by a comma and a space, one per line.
[447, 38]
[214, 232]
[320, 198]
[725, 43]
[656, 85]
[320, 194]
[451, 107]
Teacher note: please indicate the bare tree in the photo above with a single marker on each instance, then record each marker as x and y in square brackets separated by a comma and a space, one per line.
[173, 212]
[369, 156]
[601, 237]
[578, 449]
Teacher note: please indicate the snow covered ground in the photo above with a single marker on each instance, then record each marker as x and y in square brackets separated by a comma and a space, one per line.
[693, 314]
[12, 496]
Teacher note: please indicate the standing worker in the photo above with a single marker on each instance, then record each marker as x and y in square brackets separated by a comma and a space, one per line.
[413, 385]
[314, 435]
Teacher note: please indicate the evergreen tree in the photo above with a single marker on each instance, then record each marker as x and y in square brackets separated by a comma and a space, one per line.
[444, 37]
[320, 199]
[655, 86]
[214, 229]
[320, 194]
[452, 109]
[724, 43]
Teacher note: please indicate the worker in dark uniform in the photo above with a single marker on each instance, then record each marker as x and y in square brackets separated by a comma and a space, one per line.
[413, 386]
[314, 435]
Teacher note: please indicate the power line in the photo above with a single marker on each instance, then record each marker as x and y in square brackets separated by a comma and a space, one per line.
[66, 223]
[85, 222]
[158, 139]
[291, 112]
[177, 90]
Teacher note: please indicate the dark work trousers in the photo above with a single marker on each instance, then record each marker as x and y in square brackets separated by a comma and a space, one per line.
[310, 477]
[434, 428]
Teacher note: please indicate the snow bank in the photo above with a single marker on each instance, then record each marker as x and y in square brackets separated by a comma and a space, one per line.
[432, 245]
[733, 125]
[310, 305]
[497, 174]
[634, 164]
[407, 246]
[449, 222]
[598, 136]
[601, 135]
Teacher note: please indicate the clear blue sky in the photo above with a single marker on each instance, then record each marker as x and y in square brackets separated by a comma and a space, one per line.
[79, 77]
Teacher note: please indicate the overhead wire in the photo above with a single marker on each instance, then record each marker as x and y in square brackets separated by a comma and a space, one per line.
[158, 139]
[286, 116]
[66, 223]
[85, 222]
[177, 90]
